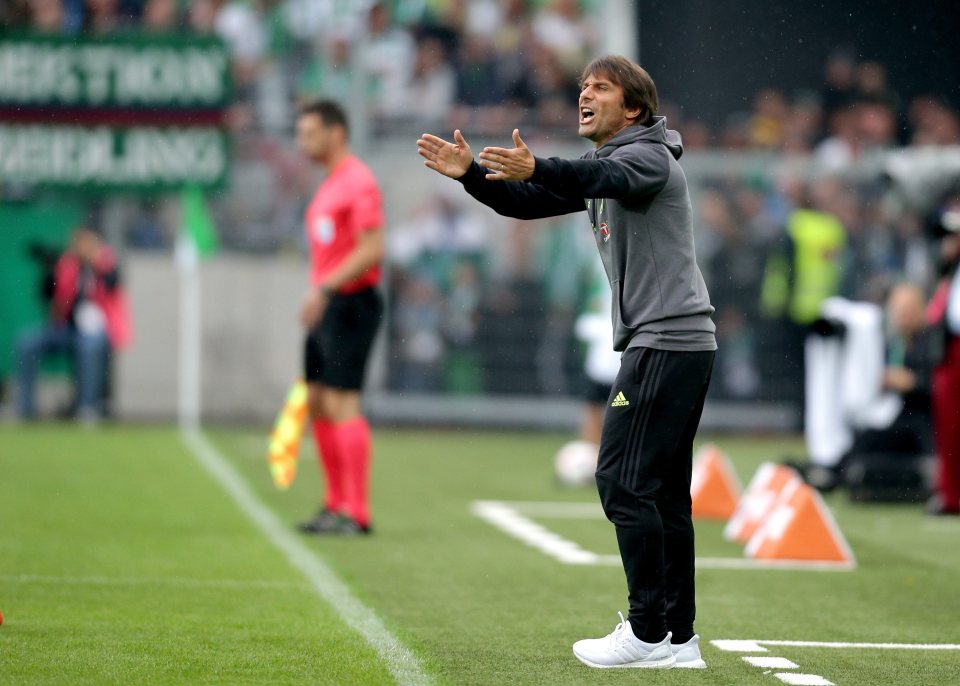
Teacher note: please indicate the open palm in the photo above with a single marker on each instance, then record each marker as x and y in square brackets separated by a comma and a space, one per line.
[449, 159]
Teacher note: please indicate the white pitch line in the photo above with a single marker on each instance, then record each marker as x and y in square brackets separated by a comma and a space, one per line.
[795, 679]
[513, 518]
[865, 646]
[737, 646]
[769, 662]
[147, 581]
[785, 565]
[402, 663]
[755, 645]
[512, 522]
[558, 510]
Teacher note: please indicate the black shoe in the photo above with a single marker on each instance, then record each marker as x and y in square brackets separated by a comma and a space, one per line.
[936, 507]
[326, 522]
[824, 479]
[334, 524]
[350, 527]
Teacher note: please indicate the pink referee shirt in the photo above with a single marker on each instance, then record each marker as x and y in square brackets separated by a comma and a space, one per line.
[346, 204]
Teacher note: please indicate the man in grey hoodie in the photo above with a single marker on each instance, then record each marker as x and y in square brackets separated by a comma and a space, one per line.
[635, 195]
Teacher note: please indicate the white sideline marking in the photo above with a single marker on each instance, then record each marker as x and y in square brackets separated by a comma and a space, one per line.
[756, 645]
[769, 662]
[803, 679]
[868, 646]
[147, 581]
[733, 646]
[513, 518]
[559, 510]
[512, 522]
[403, 664]
[785, 565]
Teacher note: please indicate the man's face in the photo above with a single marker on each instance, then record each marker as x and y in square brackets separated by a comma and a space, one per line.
[314, 139]
[85, 244]
[602, 112]
[905, 308]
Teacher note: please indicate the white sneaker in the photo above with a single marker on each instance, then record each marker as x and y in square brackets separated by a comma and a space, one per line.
[622, 649]
[688, 654]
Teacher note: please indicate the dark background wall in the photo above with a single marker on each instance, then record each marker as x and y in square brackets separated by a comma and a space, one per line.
[711, 57]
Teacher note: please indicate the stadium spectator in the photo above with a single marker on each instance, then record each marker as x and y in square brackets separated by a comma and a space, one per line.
[202, 16]
[88, 320]
[839, 83]
[463, 374]
[770, 112]
[429, 95]
[872, 86]
[388, 57]
[841, 147]
[560, 27]
[47, 16]
[644, 483]
[437, 257]
[332, 73]
[876, 125]
[417, 327]
[241, 29]
[161, 16]
[734, 266]
[545, 89]
[944, 313]
[869, 379]
[477, 78]
[341, 314]
[803, 268]
[104, 17]
[933, 123]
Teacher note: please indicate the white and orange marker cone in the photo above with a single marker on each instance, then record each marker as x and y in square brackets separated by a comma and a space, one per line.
[758, 500]
[284, 449]
[800, 528]
[714, 486]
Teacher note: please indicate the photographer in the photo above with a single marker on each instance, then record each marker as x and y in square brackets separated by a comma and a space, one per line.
[88, 319]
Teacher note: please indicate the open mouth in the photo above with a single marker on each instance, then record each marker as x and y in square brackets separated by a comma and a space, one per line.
[586, 115]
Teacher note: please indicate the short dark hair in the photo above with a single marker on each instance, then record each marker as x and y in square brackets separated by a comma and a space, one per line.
[639, 90]
[329, 111]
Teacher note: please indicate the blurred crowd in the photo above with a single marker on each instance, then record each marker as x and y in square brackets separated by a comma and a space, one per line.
[853, 110]
[427, 61]
[484, 64]
[488, 65]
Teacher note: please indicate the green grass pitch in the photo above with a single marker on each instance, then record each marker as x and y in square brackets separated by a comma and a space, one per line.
[122, 561]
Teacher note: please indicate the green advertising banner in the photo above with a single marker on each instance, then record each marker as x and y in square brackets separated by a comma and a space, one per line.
[126, 71]
[113, 158]
[126, 113]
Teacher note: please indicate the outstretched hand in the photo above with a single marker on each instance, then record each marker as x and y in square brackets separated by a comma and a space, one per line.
[450, 159]
[509, 164]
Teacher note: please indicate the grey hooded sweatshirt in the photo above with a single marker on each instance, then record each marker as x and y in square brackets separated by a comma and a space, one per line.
[635, 194]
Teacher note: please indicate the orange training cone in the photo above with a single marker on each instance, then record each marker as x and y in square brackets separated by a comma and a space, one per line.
[714, 487]
[758, 500]
[284, 450]
[800, 527]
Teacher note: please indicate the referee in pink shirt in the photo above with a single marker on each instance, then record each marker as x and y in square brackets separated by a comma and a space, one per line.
[341, 312]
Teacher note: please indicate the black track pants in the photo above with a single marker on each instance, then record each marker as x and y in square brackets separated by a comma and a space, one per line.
[643, 475]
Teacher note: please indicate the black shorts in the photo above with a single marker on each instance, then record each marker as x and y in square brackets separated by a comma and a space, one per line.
[335, 352]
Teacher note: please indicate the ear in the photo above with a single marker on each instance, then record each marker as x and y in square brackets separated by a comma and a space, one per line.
[633, 114]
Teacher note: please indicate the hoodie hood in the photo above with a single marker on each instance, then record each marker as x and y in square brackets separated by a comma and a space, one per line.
[657, 132]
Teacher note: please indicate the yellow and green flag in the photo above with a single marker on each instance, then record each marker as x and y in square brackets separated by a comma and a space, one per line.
[284, 449]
